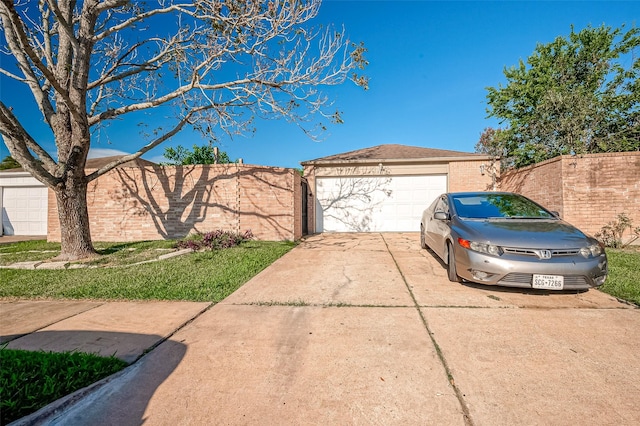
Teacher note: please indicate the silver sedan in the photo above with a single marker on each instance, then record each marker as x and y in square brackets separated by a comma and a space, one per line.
[502, 238]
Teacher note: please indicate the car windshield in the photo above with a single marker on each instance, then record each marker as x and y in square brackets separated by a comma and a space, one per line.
[497, 206]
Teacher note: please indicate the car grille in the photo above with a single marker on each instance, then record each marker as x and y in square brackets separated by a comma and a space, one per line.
[533, 252]
[516, 278]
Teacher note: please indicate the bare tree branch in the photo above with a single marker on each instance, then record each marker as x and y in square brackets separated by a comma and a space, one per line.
[176, 129]
[212, 65]
[136, 18]
[16, 47]
[19, 44]
[109, 76]
[20, 142]
[63, 24]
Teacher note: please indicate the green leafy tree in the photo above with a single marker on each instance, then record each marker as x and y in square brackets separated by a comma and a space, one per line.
[205, 154]
[9, 163]
[492, 143]
[575, 95]
[212, 65]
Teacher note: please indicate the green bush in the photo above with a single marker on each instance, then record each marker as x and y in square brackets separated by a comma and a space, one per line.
[611, 234]
[215, 240]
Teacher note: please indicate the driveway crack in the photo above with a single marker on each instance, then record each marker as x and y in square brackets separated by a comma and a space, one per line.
[463, 403]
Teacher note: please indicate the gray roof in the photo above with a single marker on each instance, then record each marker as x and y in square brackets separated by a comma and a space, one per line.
[395, 153]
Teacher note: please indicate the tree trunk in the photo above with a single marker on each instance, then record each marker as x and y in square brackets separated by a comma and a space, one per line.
[75, 234]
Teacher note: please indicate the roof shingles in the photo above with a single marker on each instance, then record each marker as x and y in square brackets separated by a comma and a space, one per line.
[391, 152]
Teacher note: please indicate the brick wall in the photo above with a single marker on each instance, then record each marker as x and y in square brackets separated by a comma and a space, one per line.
[588, 190]
[163, 202]
[268, 198]
[541, 182]
[470, 176]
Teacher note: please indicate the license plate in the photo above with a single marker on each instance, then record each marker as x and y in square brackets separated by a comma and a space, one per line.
[548, 282]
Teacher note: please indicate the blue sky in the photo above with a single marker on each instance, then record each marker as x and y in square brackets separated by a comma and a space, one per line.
[430, 64]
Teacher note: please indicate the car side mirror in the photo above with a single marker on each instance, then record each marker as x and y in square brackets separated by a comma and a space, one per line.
[441, 216]
[555, 213]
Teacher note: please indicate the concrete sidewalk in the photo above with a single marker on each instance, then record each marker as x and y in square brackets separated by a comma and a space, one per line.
[124, 329]
[355, 329]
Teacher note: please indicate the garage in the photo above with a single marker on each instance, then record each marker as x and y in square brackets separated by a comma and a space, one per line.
[375, 204]
[385, 188]
[24, 203]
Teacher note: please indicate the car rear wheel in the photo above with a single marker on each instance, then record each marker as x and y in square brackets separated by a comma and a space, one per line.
[451, 265]
[423, 243]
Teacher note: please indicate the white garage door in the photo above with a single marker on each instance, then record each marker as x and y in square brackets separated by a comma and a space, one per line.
[375, 204]
[24, 210]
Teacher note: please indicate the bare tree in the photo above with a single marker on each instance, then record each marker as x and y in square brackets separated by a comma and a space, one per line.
[214, 65]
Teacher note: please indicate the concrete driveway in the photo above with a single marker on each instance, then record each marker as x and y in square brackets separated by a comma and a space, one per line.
[366, 329]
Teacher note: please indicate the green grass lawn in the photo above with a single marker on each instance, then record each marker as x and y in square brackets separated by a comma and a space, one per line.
[202, 276]
[31, 380]
[623, 281]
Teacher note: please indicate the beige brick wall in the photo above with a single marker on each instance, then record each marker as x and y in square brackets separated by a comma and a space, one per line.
[269, 202]
[470, 176]
[588, 190]
[541, 182]
[151, 203]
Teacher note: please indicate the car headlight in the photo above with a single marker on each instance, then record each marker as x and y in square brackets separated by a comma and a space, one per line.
[481, 247]
[593, 250]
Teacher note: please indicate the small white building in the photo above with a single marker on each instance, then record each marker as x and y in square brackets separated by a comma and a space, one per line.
[386, 187]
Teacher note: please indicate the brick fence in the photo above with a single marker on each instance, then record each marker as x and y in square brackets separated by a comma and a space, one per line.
[157, 202]
[160, 202]
[587, 190]
[470, 176]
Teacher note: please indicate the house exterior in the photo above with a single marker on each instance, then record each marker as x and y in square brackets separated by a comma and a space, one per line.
[386, 187]
[377, 189]
[25, 201]
[140, 200]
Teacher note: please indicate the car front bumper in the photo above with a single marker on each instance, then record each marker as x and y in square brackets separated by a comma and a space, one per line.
[517, 271]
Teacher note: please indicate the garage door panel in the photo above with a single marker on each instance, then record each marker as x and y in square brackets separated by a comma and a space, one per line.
[34, 203]
[24, 210]
[375, 204]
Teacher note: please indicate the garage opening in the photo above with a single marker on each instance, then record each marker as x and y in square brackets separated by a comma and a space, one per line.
[375, 203]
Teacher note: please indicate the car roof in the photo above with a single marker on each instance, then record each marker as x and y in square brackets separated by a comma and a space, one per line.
[479, 193]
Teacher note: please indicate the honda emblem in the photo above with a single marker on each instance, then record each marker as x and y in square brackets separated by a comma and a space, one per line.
[544, 254]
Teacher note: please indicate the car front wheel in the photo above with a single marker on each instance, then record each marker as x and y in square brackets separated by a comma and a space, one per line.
[451, 264]
[423, 243]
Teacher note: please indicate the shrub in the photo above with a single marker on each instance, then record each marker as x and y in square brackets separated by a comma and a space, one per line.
[215, 240]
[611, 234]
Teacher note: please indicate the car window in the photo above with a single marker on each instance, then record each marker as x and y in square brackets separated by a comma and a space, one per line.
[487, 206]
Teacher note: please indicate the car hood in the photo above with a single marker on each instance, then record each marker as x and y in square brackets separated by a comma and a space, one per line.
[524, 233]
